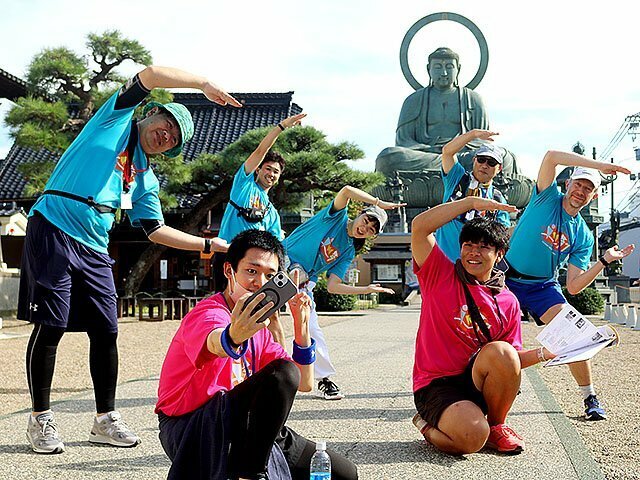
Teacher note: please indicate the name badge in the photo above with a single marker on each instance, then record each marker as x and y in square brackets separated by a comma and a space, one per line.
[125, 201]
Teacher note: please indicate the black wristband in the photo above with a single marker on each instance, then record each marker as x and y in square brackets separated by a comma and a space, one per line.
[207, 246]
[281, 127]
[603, 261]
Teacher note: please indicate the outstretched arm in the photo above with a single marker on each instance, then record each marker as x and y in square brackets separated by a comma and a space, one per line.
[184, 241]
[553, 158]
[347, 193]
[454, 146]
[424, 225]
[168, 77]
[267, 142]
[578, 279]
[336, 286]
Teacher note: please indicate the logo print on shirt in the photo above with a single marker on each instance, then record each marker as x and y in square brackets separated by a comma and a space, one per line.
[554, 241]
[464, 324]
[238, 372]
[256, 202]
[329, 252]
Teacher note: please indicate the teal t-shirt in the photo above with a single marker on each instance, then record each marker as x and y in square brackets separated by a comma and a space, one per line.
[322, 244]
[448, 236]
[245, 192]
[547, 237]
[92, 167]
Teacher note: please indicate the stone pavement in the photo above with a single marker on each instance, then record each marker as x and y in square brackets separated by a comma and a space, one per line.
[372, 425]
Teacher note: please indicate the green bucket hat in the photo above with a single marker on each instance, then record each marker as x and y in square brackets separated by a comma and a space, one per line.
[182, 117]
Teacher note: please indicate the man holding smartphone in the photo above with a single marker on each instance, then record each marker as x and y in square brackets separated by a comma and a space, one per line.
[226, 386]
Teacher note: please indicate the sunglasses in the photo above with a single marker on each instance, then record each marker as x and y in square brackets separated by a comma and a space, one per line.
[492, 162]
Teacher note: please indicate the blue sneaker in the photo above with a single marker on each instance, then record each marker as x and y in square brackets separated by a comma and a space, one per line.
[593, 410]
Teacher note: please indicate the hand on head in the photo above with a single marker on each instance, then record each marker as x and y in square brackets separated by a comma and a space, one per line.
[483, 134]
[486, 204]
[389, 205]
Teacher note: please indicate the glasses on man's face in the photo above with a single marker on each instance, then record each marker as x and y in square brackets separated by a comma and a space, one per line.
[492, 162]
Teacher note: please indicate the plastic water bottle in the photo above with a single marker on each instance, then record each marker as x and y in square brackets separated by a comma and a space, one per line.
[321, 463]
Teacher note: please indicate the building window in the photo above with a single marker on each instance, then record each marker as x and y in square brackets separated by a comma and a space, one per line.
[387, 273]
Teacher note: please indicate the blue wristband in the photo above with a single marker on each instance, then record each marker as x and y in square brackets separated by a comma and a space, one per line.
[225, 341]
[304, 355]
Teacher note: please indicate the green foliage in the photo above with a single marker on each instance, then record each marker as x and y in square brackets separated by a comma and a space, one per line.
[67, 77]
[312, 165]
[36, 174]
[37, 124]
[111, 48]
[56, 71]
[327, 302]
[587, 302]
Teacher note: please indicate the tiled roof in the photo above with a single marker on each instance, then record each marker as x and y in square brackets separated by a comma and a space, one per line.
[216, 126]
[11, 87]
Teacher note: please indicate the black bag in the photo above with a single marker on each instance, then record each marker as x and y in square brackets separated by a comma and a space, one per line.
[251, 215]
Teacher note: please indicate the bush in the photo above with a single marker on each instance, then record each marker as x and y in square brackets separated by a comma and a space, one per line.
[327, 302]
[587, 302]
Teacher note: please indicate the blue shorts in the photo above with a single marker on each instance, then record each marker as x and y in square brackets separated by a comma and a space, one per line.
[64, 283]
[537, 297]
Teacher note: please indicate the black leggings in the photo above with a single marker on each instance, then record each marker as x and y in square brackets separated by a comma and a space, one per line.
[259, 407]
[41, 359]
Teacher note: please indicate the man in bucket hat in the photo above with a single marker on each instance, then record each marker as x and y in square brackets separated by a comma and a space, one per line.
[552, 234]
[458, 184]
[66, 282]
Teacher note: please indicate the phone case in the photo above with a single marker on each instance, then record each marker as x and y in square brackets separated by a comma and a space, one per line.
[278, 290]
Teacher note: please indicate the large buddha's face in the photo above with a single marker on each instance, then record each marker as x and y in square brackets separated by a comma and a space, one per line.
[443, 72]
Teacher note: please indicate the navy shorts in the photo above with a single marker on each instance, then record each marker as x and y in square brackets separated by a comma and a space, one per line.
[537, 297]
[64, 283]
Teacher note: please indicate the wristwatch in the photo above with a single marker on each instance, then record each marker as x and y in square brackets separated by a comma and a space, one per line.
[603, 261]
[207, 245]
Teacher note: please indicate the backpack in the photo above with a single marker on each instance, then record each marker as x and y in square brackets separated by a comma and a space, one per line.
[460, 192]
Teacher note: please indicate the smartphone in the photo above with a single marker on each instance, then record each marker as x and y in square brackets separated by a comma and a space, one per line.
[279, 290]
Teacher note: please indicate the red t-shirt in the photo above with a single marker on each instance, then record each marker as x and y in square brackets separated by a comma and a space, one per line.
[191, 375]
[446, 339]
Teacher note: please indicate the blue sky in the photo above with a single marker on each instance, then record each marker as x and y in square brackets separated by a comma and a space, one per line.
[558, 72]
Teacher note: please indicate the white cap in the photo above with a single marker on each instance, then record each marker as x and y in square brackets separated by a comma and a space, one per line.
[587, 174]
[321, 446]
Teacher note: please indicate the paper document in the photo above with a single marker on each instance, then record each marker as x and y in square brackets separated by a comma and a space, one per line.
[573, 338]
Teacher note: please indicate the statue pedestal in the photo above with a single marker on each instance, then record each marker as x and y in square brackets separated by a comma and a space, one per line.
[620, 285]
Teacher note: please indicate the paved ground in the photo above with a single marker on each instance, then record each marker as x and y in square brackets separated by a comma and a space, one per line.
[372, 425]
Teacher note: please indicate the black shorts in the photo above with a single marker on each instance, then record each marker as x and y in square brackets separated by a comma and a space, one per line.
[64, 283]
[443, 392]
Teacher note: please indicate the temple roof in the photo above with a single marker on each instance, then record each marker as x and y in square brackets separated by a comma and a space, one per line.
[216, 126]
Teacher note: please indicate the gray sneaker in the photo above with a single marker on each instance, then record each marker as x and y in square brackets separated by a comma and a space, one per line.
[42, 433]
[113, 431]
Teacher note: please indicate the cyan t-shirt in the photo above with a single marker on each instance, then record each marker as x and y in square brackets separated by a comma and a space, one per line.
[92, 167]
[322, 244]
[245, 192]
[546, 237]
[448, 236]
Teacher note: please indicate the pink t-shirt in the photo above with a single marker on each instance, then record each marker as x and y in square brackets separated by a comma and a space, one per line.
[446, 340]
[191, 375]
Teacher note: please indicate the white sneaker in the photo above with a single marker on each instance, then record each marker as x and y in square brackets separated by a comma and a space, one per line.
[113, 431]
[42, 433]
[329, 390]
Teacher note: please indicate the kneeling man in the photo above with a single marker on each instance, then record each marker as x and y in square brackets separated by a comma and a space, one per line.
[468, 357]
